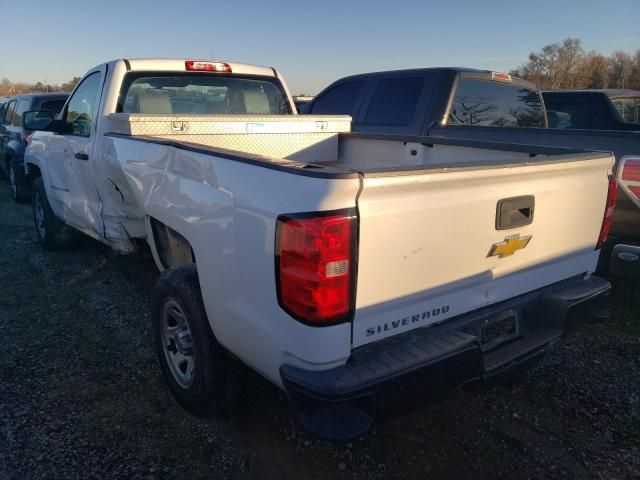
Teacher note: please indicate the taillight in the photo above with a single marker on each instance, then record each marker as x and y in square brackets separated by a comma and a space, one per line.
[629, 177]
[315, 266]
[198, 65]
[631, 171]
[608, 213]
[501, 76]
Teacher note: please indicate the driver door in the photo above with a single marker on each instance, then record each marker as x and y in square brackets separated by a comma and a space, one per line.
[72, 155]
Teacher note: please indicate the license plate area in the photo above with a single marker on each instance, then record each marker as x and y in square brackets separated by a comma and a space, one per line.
[499, 329]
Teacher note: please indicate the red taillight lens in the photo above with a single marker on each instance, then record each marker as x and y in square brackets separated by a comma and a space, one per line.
[631, 171]
[608, 213]
[197, 65]
[501, 76]
[315, 266]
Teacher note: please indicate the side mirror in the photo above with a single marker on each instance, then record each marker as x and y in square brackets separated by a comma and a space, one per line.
[38, 120]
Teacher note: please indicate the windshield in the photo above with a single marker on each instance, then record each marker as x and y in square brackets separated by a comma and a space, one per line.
[628, 108]
[202, 93]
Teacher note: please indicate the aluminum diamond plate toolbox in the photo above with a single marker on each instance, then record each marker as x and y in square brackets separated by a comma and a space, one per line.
[305, 138]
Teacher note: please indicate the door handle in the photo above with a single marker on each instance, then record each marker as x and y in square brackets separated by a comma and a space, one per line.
[515, 212]
[82, 156]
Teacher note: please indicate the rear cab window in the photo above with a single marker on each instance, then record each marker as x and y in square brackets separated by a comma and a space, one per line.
[628, 109]
[489, 103]
[567, 113]
[201, 93]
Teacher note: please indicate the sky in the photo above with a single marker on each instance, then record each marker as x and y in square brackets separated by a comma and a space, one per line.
[310, 44]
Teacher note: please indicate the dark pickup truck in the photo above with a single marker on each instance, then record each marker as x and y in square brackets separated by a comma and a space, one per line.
[14, 137]
[605, 109]
[459, 103]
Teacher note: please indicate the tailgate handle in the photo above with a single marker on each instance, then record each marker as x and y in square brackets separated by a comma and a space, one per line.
[515, 212]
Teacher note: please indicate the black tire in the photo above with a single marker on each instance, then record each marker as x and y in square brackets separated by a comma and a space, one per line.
[4, 167]
[52, 233]
[216, 377]
[19, 189]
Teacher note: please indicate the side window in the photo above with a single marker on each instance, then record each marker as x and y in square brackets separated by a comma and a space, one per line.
[495, 104]
[83, 105]
[567, 113]
[395, 101]
[23, 106]
[339, 100]
[9, 113]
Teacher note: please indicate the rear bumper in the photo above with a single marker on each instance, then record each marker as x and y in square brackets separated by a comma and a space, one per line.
[341, 403]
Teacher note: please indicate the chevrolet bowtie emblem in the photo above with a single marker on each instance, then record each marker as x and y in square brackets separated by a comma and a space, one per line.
[509, 246]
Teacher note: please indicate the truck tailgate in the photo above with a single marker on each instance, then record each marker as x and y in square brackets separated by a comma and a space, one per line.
[430, 247]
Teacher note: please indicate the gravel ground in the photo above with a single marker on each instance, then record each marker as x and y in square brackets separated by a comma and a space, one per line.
[81, 394]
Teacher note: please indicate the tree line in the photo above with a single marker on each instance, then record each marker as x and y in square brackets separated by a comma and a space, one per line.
[567, 65]
[7, 87]
[556, 66]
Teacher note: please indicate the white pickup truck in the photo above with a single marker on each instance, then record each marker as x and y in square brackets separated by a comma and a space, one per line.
[344, 267]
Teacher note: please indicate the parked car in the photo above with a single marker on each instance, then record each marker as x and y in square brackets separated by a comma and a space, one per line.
[606, 109]
[14, 137]
[341, 266]
[458, 103]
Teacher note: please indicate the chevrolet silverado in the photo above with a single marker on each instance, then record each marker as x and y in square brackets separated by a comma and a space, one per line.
[343, 267]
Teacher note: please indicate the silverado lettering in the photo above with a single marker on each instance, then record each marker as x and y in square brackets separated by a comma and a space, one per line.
[385, 327]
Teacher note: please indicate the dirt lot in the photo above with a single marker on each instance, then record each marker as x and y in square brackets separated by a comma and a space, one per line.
[81, 394]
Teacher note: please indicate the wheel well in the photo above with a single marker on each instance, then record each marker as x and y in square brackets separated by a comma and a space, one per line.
[172, 249]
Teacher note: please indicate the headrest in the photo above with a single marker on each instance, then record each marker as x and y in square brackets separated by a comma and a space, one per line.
[256, 102]
[157, 102]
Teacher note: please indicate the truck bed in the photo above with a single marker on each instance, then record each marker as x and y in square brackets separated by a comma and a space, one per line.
[427, 211]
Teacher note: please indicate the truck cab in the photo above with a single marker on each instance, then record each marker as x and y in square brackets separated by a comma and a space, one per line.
[410, 102]
[605, 109]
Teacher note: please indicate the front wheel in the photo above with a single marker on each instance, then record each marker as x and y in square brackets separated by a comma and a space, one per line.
[52, 233]
[201, 376]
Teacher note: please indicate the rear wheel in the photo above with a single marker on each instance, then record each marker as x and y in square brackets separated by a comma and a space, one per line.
[52, 233]
[19, 192]
[201, 376]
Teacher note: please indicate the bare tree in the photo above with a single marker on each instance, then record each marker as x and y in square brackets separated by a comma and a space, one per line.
[593, 71]
[621, 68]
[555, 66]
[634, 79]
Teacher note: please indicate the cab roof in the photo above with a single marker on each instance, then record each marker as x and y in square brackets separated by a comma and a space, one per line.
[178, 65]
[471, 72]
